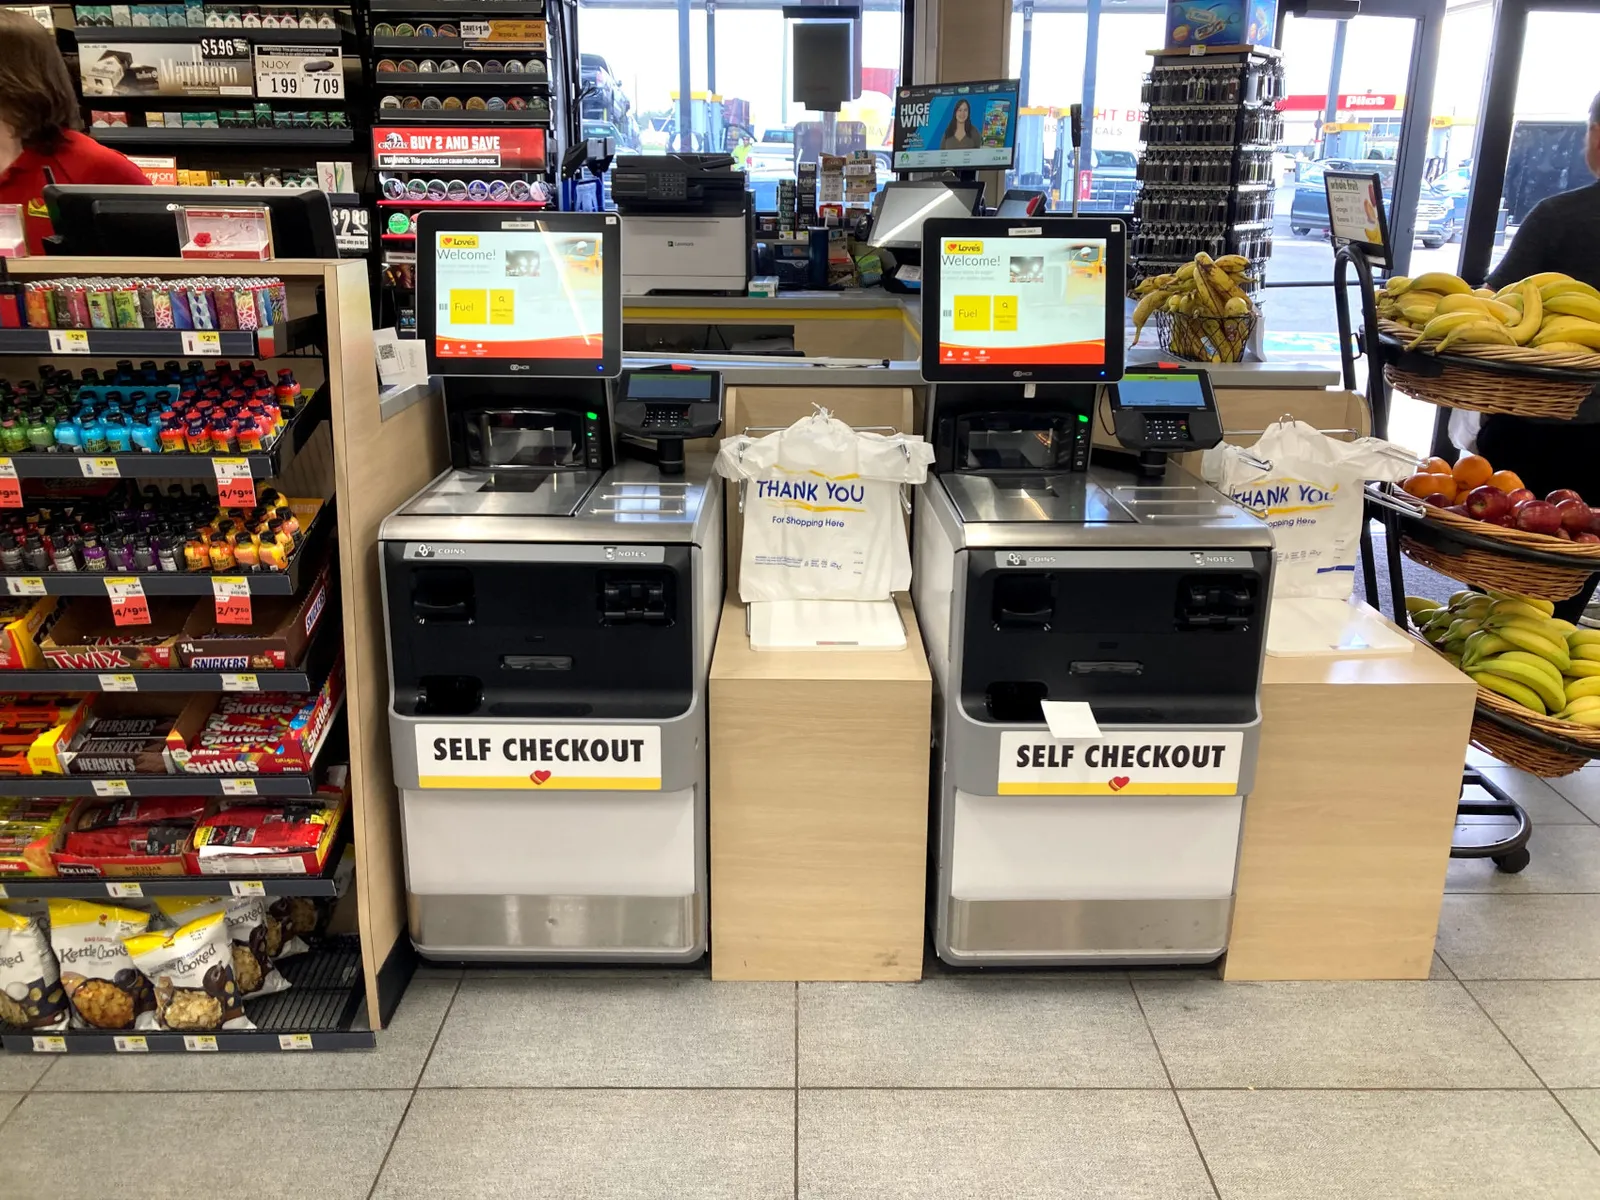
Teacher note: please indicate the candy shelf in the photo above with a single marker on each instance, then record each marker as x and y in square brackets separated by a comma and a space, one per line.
[264, 464]
[330, 883]
[318, 1012]
[242, 138]
[182, 583]
[271, 342]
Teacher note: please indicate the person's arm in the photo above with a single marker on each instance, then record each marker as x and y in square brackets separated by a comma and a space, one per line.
[1533, 250]
[123, 172]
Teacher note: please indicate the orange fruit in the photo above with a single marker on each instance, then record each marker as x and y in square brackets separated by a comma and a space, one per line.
[1472, 471]
[1506, 481]
[1434, 466]
[1423, 484]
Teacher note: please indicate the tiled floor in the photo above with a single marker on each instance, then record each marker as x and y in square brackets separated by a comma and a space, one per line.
[1480, 1082]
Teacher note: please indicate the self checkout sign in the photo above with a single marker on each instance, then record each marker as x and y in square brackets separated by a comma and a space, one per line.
[299, 73]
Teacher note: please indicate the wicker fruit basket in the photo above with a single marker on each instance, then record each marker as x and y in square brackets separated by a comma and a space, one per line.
[1516, 380]
[1204, 339]
[1485, 569]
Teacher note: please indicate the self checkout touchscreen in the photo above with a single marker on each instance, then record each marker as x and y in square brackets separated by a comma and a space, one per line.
[520, 297]
[1030, 299]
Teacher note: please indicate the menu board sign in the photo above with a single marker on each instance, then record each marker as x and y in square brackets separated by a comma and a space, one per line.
[1355, 212]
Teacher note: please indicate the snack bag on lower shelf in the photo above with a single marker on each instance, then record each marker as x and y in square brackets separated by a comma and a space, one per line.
[192, 970]
[105, 987]
[31, 996]
[249, 926]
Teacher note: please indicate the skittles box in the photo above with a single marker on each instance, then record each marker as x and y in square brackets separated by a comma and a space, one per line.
[1220, 23]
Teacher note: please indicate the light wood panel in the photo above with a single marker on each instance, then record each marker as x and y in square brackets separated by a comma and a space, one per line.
[378, 464]
[1347, 831]
[762, 409]
[819, 809]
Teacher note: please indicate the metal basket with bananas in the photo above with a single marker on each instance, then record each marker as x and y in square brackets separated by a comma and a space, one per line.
[1206, 314]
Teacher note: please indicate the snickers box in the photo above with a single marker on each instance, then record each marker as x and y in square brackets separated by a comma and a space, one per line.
[275, 640]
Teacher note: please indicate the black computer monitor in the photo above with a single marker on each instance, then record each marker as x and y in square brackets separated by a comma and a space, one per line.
[900, 208]
[957, 126]
[520, 296]
[1026, 299]
[117, 221]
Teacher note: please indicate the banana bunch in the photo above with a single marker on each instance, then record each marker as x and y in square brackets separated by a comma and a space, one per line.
[1549, 311]
[1513, 646]
[1202, 288]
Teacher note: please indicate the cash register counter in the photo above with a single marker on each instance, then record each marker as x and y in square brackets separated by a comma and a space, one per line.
[819, 761]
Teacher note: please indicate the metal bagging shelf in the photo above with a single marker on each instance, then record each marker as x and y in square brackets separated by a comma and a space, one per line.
[320, 1011]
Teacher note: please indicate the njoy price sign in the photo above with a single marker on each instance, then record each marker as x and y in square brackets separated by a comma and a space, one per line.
[299, 72]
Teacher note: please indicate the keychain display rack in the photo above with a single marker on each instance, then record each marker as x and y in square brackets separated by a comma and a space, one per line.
[1205, 173]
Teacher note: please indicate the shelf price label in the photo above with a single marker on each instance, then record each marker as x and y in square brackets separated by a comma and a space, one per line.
[131, 1044]
[69, 341]
[240, 683]
[128, 603]
[247, 887]
[199, 1041]
[111, 788]
[231, 596]
[201, 341]
[299, 73]
[235, 487]
[49, 1045]
[119, 683]
[239, 787]
[124, 891]
[99, 468]
[10, 485]
[294, 1041]
[3, 893]
[25, 585]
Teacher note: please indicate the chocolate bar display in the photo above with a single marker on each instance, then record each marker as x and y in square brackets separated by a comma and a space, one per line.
[259, 734]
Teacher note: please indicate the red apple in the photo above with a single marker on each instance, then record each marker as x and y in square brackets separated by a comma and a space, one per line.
[1438, 500]
[1538, 516]
[1586, 537]
[1574, 514]
[1487, 503]
[1563, 534]
[1519, 495]
[1460, 510]
[1560, 494]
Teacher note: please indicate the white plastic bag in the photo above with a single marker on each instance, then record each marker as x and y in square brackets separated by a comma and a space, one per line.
[822, 514]
[1310, 494]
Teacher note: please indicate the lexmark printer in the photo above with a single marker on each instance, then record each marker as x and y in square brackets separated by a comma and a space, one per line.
[1096, 636]
[551, 612]
[685, 223]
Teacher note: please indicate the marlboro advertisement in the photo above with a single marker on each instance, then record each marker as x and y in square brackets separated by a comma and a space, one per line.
[211, 66]
[427, 148]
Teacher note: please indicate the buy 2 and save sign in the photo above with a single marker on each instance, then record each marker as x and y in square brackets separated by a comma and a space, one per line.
[1175, 763]
[540, 757]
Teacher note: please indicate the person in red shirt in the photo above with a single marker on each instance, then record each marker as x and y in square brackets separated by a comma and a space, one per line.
[39, 122]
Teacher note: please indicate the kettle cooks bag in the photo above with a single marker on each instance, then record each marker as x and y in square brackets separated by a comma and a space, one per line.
[822, 516]
[1307, 487]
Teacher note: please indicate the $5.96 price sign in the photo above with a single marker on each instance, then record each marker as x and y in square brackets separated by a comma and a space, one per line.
[299, 72]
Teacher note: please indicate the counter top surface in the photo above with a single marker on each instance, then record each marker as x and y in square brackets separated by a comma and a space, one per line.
[1421, 667]
[734, 659]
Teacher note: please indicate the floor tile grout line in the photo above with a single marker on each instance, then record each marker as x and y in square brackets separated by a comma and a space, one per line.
[412, 1098]
[1155, 1044]
[1554, 1095]
[795, 1129]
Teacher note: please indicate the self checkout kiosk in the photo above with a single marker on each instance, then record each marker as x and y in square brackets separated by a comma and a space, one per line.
[1096, 634]
[552, 602]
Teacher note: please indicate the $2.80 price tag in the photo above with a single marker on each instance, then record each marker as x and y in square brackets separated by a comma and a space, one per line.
[231, 595]
[128, 603]
[235, 487]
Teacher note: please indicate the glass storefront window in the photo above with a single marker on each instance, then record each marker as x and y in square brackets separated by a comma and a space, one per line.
[740, 103]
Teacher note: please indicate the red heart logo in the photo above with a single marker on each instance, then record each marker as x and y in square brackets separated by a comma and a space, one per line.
[540, 776]
[1118, 783]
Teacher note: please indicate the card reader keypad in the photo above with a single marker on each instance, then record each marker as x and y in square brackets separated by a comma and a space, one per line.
[1172, 428]
[666, 416]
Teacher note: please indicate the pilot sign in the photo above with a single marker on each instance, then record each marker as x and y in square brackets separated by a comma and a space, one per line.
[550, 758]
[1196, 762]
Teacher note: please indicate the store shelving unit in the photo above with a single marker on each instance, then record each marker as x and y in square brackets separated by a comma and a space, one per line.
[1205, 171]
[341, 445]
[271, 342]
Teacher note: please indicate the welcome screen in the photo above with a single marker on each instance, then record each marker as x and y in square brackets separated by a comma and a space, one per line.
[1022, 301]
[519, 294]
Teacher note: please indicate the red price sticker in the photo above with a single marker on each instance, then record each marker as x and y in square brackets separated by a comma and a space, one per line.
[231, 595]
[10, 485]
[235, 487]
[128, 603]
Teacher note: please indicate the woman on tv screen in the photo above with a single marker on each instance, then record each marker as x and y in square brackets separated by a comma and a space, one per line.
[960, 134]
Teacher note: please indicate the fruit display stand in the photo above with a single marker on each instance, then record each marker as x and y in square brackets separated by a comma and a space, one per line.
[1485, 376]
[347, 446]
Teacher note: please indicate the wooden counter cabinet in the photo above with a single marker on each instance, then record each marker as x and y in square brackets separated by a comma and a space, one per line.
[819, 809]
